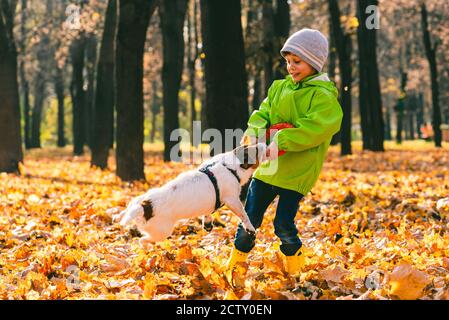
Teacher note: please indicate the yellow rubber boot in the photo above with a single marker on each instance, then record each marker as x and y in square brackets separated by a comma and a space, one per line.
[236, 257]
[295, 263]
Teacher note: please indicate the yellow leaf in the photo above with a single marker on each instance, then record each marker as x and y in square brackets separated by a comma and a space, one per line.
[407, 282]
[230, 295]
[150, 286]
[69, 238]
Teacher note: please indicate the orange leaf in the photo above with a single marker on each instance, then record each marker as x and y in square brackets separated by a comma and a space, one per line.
[335, 274]
[150, 286]
[407, 282]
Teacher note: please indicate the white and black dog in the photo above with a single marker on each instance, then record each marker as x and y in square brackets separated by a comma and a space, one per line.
[195, 193]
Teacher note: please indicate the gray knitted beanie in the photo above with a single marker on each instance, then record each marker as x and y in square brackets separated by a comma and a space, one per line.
[310, 45]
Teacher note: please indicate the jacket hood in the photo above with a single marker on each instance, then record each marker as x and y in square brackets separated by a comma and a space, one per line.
[317, 80]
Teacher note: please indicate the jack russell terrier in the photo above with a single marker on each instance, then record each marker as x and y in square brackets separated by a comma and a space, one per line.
[194, 193]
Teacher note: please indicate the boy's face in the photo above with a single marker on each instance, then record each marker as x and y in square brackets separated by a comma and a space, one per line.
[298, 68]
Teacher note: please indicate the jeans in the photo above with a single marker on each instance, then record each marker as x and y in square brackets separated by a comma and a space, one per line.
[260, 196]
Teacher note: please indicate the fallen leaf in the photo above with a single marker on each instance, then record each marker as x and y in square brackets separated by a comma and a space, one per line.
[150, 286]
[407, 282]
[334, 274]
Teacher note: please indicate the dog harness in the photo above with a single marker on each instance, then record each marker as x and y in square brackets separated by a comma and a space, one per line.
[213, 179]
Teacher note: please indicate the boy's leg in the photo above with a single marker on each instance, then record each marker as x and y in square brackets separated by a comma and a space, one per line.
[284, 222]
[260, 195]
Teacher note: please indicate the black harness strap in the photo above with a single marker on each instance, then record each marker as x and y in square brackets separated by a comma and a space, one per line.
[233, 172]
[213, 179]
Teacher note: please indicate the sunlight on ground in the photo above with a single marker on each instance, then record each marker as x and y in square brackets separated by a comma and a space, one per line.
[370, 227]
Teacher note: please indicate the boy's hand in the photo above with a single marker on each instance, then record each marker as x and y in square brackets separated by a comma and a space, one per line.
[272, 151]
[248, 140]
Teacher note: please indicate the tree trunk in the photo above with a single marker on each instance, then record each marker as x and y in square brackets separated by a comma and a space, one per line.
[91, 64]
[332, 45]
[59, 82]
[412, 107]
[23, 81]
[411, 124]
[343, 45]
[257, 96]
[370, 94]
[204, 124]
[134, 17]
[406, 124]
[77, 49]
[26, 106]
[282, 24]
[399, 120]
[103, 113]
[419, 113]
[10, 143]
[36, 118]
[268, 43]
[226, 86]
[400, 107]
[192, 53]
[59, 90]
[276, 28]
[43, 53]
[155, 110]
[331, 69]
[172, 15]
[431, 57]
[388, 124]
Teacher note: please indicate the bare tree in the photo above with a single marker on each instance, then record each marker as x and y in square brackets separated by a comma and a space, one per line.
[23, 80]
[431, 57]
[226, 87]
[134, 17]
[370, 94]
[103, 113]
[172, 14]
[343, 44]
[10, 142]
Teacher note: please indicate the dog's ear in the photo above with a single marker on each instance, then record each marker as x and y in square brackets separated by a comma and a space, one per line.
[246, 166]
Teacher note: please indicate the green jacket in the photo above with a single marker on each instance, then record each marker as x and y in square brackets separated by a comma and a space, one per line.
[310, 105]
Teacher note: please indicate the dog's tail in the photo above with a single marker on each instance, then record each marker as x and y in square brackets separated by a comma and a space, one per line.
[131, 213]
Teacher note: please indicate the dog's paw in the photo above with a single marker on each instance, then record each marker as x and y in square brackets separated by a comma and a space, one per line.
[145, 243]
[114, 213]
[117, 217]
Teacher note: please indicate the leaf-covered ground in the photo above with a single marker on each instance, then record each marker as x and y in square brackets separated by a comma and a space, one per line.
[372, 229]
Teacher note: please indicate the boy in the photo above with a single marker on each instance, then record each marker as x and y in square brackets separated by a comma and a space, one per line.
[307, 99]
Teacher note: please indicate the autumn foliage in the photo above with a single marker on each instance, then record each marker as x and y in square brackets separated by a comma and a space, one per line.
[375, 227]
